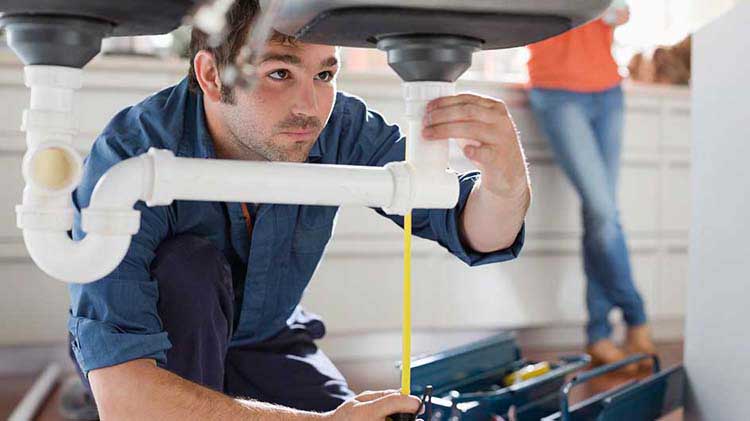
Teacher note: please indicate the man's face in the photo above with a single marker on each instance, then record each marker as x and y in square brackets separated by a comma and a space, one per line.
[281, 116]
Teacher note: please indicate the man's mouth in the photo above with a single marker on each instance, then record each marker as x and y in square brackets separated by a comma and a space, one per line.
[299, 134]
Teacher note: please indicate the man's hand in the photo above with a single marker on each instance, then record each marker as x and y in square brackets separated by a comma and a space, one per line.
[374, 406]
[488, 136]
[496, 208]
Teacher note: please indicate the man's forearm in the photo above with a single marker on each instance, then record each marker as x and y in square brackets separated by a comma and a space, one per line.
[140, 390]
[490, 222]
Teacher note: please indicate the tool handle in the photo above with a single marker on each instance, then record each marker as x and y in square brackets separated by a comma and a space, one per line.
[596, 372]
[401, 417]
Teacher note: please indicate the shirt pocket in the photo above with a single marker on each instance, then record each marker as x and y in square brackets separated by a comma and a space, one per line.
[313, 229]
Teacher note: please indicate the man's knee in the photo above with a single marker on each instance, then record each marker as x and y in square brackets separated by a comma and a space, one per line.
[192, 269]
[196, 307]
[195, 285]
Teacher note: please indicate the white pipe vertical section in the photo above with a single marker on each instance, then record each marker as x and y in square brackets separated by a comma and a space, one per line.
[46, 214]
[429, 156]
[434, 186]
[50, 113]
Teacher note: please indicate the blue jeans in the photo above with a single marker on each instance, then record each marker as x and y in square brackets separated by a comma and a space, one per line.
[585, 132]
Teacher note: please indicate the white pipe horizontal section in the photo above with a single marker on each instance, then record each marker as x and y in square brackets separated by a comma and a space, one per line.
[158, 178]
[270, 182]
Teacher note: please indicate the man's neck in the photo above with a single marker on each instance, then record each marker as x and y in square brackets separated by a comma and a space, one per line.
[229, 149]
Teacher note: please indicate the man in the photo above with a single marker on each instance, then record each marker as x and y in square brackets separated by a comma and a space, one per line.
[204, 307]
[578, 101]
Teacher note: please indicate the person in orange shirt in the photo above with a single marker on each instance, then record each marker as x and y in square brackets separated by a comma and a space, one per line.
[578, 101]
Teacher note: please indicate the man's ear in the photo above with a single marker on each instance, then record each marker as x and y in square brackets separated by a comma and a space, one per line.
[207, 74]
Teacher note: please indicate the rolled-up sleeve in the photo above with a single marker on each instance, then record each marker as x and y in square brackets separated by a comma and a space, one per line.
[370, 140]
[115, 319]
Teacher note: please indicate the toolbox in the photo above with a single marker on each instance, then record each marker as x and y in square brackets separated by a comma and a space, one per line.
[489, 380]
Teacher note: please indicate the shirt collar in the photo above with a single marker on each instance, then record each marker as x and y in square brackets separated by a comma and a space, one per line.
[316, 154]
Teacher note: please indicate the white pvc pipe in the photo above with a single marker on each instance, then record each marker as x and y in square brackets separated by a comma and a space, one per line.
[46, 213]
[35, 397]
[83, 261]
[425, 155]
[124, 184]
[158, 178]
[109, 222]
[435, 185]
[271, 182]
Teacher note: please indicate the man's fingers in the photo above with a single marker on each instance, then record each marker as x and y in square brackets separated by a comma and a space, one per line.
[473, 130]
[447, 101]
[370, 395]
[394, 403]
[461, 112]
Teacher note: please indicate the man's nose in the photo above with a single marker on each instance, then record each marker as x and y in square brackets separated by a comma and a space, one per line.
[306, 102]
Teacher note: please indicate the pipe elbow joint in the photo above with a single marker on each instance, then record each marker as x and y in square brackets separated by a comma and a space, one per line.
[419, 189]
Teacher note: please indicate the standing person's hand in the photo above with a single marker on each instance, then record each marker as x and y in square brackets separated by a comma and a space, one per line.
[622, 16]
[373, 406]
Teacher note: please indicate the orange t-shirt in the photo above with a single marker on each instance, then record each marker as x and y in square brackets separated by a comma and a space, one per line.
[578, 60]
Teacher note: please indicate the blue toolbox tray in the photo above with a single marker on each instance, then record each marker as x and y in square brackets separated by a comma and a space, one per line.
[639, 400]
[466, 385]
[467, 382]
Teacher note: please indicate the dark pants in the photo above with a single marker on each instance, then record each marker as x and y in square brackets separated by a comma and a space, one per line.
[196, 306]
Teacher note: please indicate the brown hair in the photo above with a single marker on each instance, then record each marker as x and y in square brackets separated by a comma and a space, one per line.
[239, 19]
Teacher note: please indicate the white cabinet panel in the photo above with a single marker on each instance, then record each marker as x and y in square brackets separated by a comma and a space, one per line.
[35, 307]
[640, 198]
[676, 199]
[677, 126]
[555, 207]
[643, 125]
[358, 285]
[533, 290]
[671, 288]
[359, 293]
[10, 194]
[14, 100]
[96, 107]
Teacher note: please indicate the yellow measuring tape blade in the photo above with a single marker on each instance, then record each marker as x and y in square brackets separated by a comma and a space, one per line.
[406, 323]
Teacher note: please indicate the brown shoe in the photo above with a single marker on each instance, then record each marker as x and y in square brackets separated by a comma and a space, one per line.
[604, 352]
[638, 341]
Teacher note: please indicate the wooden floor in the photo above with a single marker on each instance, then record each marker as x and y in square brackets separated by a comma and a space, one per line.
[13, 388]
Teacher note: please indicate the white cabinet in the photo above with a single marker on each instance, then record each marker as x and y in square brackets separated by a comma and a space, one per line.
[358, 286]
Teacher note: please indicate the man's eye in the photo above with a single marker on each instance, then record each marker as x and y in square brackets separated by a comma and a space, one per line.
[279, 75]
[326, 76]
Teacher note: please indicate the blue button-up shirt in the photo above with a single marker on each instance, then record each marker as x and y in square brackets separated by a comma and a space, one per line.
[115, 319]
